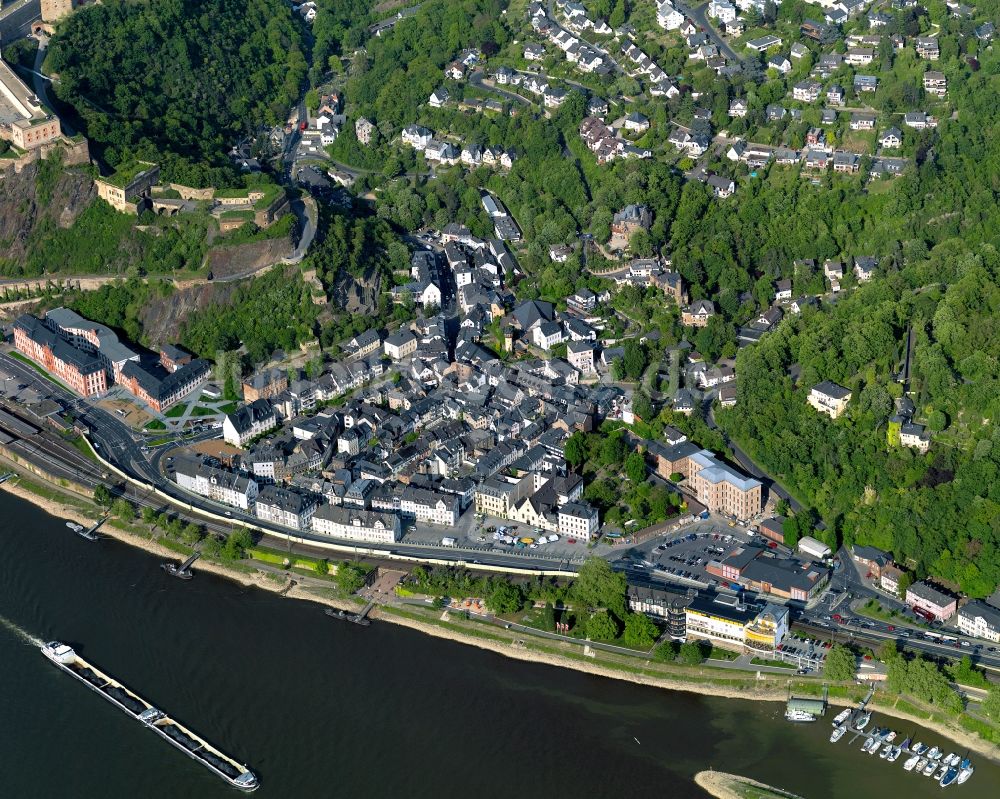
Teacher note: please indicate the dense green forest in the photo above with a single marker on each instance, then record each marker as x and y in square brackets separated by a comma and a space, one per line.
[940, 511]
[178, 81]
[267, 313]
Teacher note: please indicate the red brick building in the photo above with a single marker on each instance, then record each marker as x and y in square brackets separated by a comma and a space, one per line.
[80, 370]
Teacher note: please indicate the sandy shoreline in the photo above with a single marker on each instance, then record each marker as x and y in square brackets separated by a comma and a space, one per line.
[258, 579]
[720, 785]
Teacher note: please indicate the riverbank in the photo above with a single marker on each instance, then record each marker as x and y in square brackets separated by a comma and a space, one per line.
[733, 786]
[705, 681]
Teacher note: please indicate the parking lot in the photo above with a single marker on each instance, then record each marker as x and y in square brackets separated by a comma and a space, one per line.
[478, 532]
[683, 557]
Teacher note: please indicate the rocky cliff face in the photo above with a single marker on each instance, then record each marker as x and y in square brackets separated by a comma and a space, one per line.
[357, 295]
[162, 318]
[28, 205]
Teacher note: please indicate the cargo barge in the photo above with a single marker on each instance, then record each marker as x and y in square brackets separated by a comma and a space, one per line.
[236, 774]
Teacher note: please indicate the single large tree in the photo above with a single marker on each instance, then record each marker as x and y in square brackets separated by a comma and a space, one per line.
[598, 586]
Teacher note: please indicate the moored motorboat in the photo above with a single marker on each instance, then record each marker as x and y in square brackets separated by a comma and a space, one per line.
[890, 736]
[886, 751]
[862, 721]
[799, 716]
[934, 754]
[837, 734]
[941, 772]
[876, 745]
[919, 748]
[893, 756]
[911, 762]
[76, 528]
[868, 744]
[929, 768]
[965, 772]
[841, 717]
[921, 765]
[949, 777]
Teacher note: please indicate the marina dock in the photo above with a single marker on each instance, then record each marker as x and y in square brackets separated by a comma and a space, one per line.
[183, 571]
[355, 618]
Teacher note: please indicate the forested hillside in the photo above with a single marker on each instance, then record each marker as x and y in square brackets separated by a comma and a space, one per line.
[940, 510]
[178, 80]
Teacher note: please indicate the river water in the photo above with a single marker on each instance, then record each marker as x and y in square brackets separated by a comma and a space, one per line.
[321, 708]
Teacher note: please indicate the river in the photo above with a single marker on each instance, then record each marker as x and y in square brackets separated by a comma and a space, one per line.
[321, 708]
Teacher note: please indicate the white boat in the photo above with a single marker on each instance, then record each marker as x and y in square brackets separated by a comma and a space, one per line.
[862, 721]
[930, 768]
[868, 744]
[837, 734]
[921, 765]
[952, 759]
[934, 754]
[799, 716]
[841, 717]
[76, 528]
[919, 748]
[876, 745]
[966, 771]
[893, 756]
[911, 762]
[941, 773]
[891, 736]
[886, 751]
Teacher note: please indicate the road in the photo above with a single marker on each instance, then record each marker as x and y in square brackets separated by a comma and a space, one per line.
[16, 19]
[476, 79]
[40, 83]
[699, 17]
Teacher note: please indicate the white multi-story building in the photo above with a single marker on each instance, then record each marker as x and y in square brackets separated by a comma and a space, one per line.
[722, 10]
[338, 521]
[578, 520]
[429, 506]
[248, 422]
[980, 620]
[668, 17]
[285, 507]
[219, 485]
[829, 398]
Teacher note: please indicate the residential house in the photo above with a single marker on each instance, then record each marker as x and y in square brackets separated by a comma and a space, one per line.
[738, 108]
[935, 83]
[846, 162]
[698, 313]
[891, 139]
[722, 187]
[400, 344]
[865, 83]
[417, 137]
[829, 398]
[807, 91]
[438, 98]
[927, 47]
[779, 63]
[862, 120]
[859, 56]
